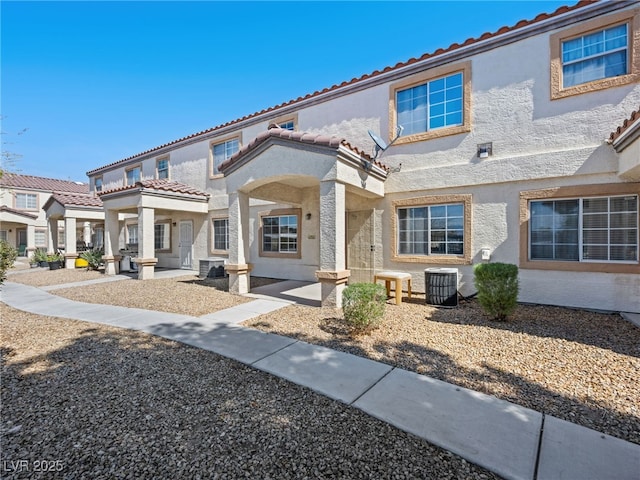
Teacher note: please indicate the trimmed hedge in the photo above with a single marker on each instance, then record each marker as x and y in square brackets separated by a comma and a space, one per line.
[497, 285]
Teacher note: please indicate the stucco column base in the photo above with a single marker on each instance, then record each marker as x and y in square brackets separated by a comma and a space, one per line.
[70, 259]
[332, 284]
[111, 264]
[146, 267]
[239, 278]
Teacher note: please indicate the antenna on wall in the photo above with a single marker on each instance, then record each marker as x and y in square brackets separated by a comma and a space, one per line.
[381, 145]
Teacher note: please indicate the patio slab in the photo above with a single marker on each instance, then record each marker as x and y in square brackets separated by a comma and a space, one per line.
[338, 375]
[495, 434]
[570, 451]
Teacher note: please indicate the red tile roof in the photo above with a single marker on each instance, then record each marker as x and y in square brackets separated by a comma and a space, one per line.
[485, 36]
[635, 115]
[76, 200]
[301, 137]
[4, 208]
[30, 182]
[161, 185]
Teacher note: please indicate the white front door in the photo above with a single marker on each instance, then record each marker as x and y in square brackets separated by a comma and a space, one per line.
[186, 244]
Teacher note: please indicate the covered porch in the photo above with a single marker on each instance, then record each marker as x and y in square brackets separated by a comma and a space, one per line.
[82, 216]
[149, 219]
[311, 181]
[20, 228]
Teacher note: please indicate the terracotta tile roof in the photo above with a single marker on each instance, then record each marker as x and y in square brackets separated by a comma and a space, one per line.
[41, 183]
[301, 137]
[162, 185]
[4, 208]
[469, 41]
[635, 115]
[76, 200]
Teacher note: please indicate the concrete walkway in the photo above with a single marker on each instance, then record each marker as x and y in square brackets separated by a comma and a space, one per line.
[510, 440]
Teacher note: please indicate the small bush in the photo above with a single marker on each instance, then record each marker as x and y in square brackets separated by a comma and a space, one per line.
[363, 306]
[497, 285]
[8, 255]
[93, 258]
[39, 255]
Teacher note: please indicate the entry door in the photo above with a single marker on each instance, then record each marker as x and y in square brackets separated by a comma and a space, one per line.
[186, 244]
[22, 241]
[361, 245]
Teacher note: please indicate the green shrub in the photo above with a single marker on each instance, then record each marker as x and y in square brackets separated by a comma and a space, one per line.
[39, 255]
[8, 255]
[363, 306]
[55, 257]
[93, 258]
[497, 285]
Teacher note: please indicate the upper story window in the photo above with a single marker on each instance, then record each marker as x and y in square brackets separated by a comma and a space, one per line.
[162, 168]
[222, 151]
[287, 125]
[133, 175]
[220, 234]
[596, 55]
[601, 54]
[432, 105]
[98, 184]
[27, 201]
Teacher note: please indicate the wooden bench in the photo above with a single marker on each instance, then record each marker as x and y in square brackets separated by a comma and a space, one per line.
[396, 277]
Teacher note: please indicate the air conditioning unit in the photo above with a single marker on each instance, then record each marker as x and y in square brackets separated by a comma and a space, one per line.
[212, 268]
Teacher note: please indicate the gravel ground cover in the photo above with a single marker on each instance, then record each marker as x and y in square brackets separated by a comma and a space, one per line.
[41, 277]
[187, 295]
[580, 366]
[91, 401]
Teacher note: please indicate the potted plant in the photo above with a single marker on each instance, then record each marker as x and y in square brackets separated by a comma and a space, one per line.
[55, 260]
[93, 258]
[40, 257]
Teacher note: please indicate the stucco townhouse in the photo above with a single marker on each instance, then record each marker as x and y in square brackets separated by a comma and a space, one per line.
[520, 146]
[25, 224]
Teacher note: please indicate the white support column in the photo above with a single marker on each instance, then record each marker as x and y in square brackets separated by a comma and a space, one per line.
[238, 267]
[332, 274]
[111, 230]
[52, 235]
[70, 252]
[31, 240]
[146, 246]
[86, 233]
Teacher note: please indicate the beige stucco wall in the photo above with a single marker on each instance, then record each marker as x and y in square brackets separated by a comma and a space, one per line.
[537, 143]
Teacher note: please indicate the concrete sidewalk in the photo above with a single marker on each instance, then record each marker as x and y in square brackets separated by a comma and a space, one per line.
[510, 440]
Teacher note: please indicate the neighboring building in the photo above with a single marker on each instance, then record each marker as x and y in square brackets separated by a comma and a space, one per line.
[503, 157]
[24, 223]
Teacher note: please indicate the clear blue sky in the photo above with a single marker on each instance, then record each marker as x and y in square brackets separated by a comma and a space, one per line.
[95, 82]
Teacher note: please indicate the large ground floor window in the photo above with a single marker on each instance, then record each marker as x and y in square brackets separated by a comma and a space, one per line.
[585, 229]
[433, 229]
[590, 228]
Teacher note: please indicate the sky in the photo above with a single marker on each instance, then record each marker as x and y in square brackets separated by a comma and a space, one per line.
[85, 84]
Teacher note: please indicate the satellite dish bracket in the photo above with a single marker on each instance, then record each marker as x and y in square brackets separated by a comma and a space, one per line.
[381, 145]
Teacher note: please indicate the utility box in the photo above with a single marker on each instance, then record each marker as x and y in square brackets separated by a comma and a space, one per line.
[212, 268]
[441, 286]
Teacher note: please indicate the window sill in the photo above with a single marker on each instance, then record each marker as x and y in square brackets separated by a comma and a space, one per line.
[433, 259]
[593, 267]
